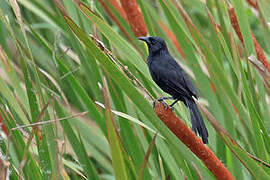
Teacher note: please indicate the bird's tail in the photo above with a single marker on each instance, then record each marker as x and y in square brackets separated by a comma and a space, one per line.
[197, 121]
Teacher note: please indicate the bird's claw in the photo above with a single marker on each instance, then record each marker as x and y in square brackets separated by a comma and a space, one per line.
[172, 108]
[161, 99]
[164, 104]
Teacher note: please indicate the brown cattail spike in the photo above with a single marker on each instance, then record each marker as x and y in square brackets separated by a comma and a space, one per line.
[119, 9]
[253, 4]
[113, 17]
[194, 143]
[259, 51]
[134, 16]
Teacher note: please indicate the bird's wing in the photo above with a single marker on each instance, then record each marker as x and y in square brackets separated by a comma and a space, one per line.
[189, 84]
[180, 80]
[174, 76]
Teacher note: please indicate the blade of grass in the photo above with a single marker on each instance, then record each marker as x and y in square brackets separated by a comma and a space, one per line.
[77, 146]
[146, 157]
[121, 169]
[243, 156]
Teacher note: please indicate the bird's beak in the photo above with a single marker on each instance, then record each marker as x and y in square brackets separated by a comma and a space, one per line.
[145, 39]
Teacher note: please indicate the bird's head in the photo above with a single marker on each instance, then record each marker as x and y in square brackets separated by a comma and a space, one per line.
[155, 44]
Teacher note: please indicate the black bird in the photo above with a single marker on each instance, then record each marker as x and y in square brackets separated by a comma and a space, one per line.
[172, 79]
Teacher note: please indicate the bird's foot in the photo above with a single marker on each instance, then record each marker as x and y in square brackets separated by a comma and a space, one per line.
[172, 108]
[163, 102]
[161, 99]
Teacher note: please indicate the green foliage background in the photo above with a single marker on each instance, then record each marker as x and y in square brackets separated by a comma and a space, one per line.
[51, 69]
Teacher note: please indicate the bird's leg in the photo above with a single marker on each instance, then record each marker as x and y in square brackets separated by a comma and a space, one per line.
[171, 106]
[163, 102]
[163, 98]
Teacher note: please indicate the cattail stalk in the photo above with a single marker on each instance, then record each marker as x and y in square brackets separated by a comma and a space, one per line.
[113, 17]
[253, 4]
[3, 126]
[119, 8]
[194, 143]
[134, 16]
[259, 51]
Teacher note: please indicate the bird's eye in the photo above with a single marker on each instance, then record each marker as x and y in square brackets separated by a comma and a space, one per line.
[151, 40]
